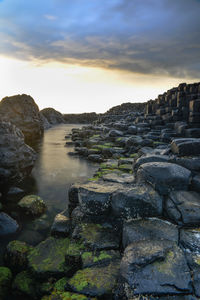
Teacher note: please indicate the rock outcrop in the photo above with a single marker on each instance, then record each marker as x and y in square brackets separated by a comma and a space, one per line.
[84, 118]
[23, 112]
[16, 158]
[52, 116]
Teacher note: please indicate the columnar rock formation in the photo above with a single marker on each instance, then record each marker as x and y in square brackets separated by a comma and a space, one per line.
[181, 104]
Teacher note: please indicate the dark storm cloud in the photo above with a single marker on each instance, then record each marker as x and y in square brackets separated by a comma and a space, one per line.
[143, 36]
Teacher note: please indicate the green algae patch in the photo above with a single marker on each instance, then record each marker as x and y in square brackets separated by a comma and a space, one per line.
[5, 281]
[95, 281]
[134, 155]
[48, 258]
[24, 284]
[126, 168]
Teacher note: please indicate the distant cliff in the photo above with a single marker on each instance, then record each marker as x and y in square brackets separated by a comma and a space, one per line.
[83, 118]
[125, 108]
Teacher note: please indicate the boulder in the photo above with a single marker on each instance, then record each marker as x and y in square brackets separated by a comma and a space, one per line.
[186, 146]
[190, 239]
[164, 176]
[22, 111]
[16, 158]
[183, 207]
[155, 267]
[99, 258]
[24, 285]
[196, 183]
[32, 205]
[7, 225]
[150, 158]
[148, 229]
[136, 201]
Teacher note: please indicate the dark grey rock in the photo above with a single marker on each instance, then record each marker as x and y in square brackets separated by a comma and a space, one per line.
[61, 225]
[150, 158]
[190, 239]
[148, 229]
[195, 185]
[7, 225]
[137, 201]
[184, 207]
[156, 267]
[16, 158]
[186, 146]
[164, 176]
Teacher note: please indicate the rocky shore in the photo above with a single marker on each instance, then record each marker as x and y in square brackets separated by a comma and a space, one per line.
[132, 230]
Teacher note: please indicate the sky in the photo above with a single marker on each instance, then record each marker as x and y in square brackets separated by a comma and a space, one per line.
[89, 55]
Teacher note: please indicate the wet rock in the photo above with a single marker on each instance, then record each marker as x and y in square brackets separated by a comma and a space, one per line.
[97, 237]
[156, 267]
[164, 176]
[150, 158]
[96, 158]
[196, 183]
[73, 255]
[115, 133]
[148, 229]
[94, 198]
[48, 258]
[16, 158]
[134, 140]
[14, 194]
[121, 178]
[22, 111]
[32, 205]
[61, 225]
[95, 281]
[137, 201]
[5, 282]
[190, 163]
[184, 207]
[16, 255]
[7, 225]
[31, 237]
[190, 239]
[186, 147]
[99, 258]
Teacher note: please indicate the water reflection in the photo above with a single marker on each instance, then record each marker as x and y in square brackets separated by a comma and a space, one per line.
[55, 170]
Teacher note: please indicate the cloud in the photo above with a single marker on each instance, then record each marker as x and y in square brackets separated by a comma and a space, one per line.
[140, 36]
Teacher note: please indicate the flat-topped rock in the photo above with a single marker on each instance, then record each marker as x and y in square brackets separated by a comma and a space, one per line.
[150, 158]
[136, 201]
[164, 176]
[183, 207]
[156, 267]
[7, 225]
[186, 146]
[148, 229]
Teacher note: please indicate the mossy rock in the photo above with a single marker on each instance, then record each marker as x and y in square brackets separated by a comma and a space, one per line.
[46, 288]
[100, 258]
[32, 205]
[25, 285]
[95, 281]
[97, 237]
[5, 281]
[66, 296]
[48, 258]
[73, 255]
[60, 284]
[16, 255]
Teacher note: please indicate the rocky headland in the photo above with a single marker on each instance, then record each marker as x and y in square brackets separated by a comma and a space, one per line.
[132, 230]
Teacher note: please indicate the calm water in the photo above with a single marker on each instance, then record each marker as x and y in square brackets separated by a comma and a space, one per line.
[53, 174]
[55, 170]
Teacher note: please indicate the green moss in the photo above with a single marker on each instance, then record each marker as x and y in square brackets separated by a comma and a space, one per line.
[87, 255]
[75, 248]
[60, 284]
[101, 279]
[66, 296]
[134, 155]
[103, 255]
[18, 246]
[24, 283]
